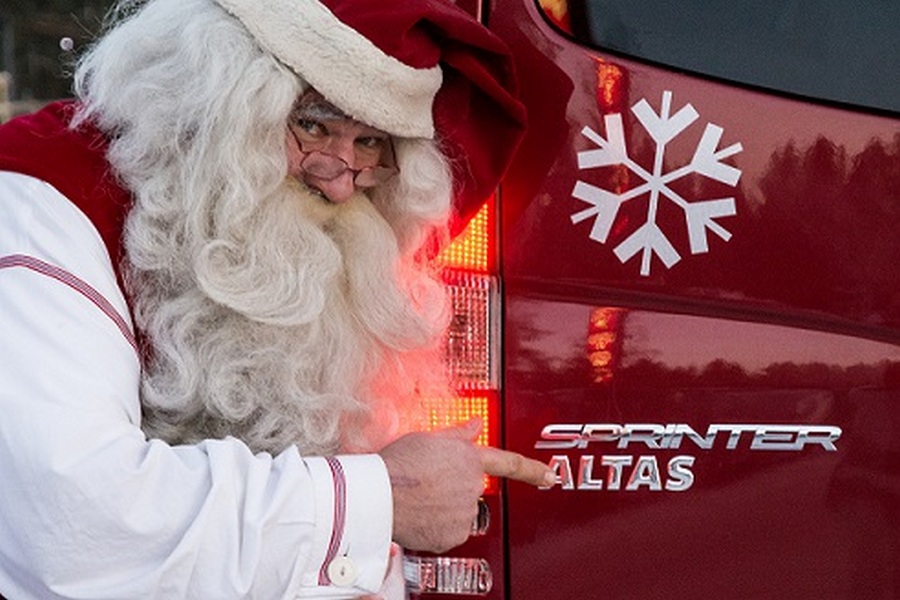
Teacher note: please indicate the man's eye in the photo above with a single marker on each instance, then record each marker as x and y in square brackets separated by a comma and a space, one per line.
[312, 128]
[371, 142]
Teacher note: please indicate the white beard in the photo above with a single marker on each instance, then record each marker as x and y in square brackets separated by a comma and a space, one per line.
[299, 323]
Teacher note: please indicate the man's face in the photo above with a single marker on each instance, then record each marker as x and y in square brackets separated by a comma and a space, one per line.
[333, 154]
[325, 326]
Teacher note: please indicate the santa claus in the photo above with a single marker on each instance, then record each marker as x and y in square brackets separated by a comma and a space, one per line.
[216, 304]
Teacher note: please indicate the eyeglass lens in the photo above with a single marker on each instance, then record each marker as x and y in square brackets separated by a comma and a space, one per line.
[328, 167]
[316, 124]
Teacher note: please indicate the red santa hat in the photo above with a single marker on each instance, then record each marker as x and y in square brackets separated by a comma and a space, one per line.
[413, 68]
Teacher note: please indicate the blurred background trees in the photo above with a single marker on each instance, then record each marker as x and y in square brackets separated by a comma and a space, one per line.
[39, 40]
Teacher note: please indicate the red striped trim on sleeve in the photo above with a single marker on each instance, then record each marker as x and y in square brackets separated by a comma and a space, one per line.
[340, 516]
[75, 283]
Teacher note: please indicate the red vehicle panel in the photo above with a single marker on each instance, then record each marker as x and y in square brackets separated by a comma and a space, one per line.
[701, 332]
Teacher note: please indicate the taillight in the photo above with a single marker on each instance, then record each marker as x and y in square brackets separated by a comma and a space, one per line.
[469, 268]
[558, 13]
[448, 575]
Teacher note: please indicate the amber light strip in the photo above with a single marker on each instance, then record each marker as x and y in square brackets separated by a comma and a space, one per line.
[471, 250]
[448, 412]
[441, 413]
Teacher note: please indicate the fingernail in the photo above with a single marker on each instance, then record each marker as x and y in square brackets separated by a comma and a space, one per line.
[549, 478]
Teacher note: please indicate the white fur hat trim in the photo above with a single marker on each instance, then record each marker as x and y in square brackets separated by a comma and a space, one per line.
[342, 64]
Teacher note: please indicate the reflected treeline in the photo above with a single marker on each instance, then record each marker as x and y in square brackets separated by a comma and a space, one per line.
[782, 375]
[825, 233]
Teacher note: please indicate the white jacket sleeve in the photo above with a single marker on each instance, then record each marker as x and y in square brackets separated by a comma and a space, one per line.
[90, 508]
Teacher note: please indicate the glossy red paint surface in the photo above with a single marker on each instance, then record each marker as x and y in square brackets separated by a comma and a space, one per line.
[794, 319]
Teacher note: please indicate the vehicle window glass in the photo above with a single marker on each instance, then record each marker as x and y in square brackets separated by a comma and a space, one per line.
[837, 50]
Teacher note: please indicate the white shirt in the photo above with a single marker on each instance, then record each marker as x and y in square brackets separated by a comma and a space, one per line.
[90, 508]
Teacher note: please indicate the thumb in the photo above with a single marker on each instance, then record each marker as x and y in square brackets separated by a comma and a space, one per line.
[468, 431]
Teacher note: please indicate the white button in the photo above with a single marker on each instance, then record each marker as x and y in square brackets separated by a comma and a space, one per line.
[342, 571]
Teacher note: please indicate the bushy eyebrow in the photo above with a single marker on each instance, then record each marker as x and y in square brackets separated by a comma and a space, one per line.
[320, 111]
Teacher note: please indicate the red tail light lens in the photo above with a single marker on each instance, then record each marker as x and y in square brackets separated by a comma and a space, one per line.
[469, 268]
[468, 265]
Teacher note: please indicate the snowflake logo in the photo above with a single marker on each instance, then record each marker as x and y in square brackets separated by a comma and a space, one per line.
[700, 215]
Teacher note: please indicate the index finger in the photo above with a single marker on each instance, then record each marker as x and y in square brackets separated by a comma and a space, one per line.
[503, 463]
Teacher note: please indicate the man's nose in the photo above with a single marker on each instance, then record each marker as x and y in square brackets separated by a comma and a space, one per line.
[337, 190]
[341, 147]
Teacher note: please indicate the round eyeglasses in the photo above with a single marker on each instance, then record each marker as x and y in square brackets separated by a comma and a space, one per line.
[373, 155]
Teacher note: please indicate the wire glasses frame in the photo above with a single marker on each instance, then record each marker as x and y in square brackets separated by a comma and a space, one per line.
[325, 166]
